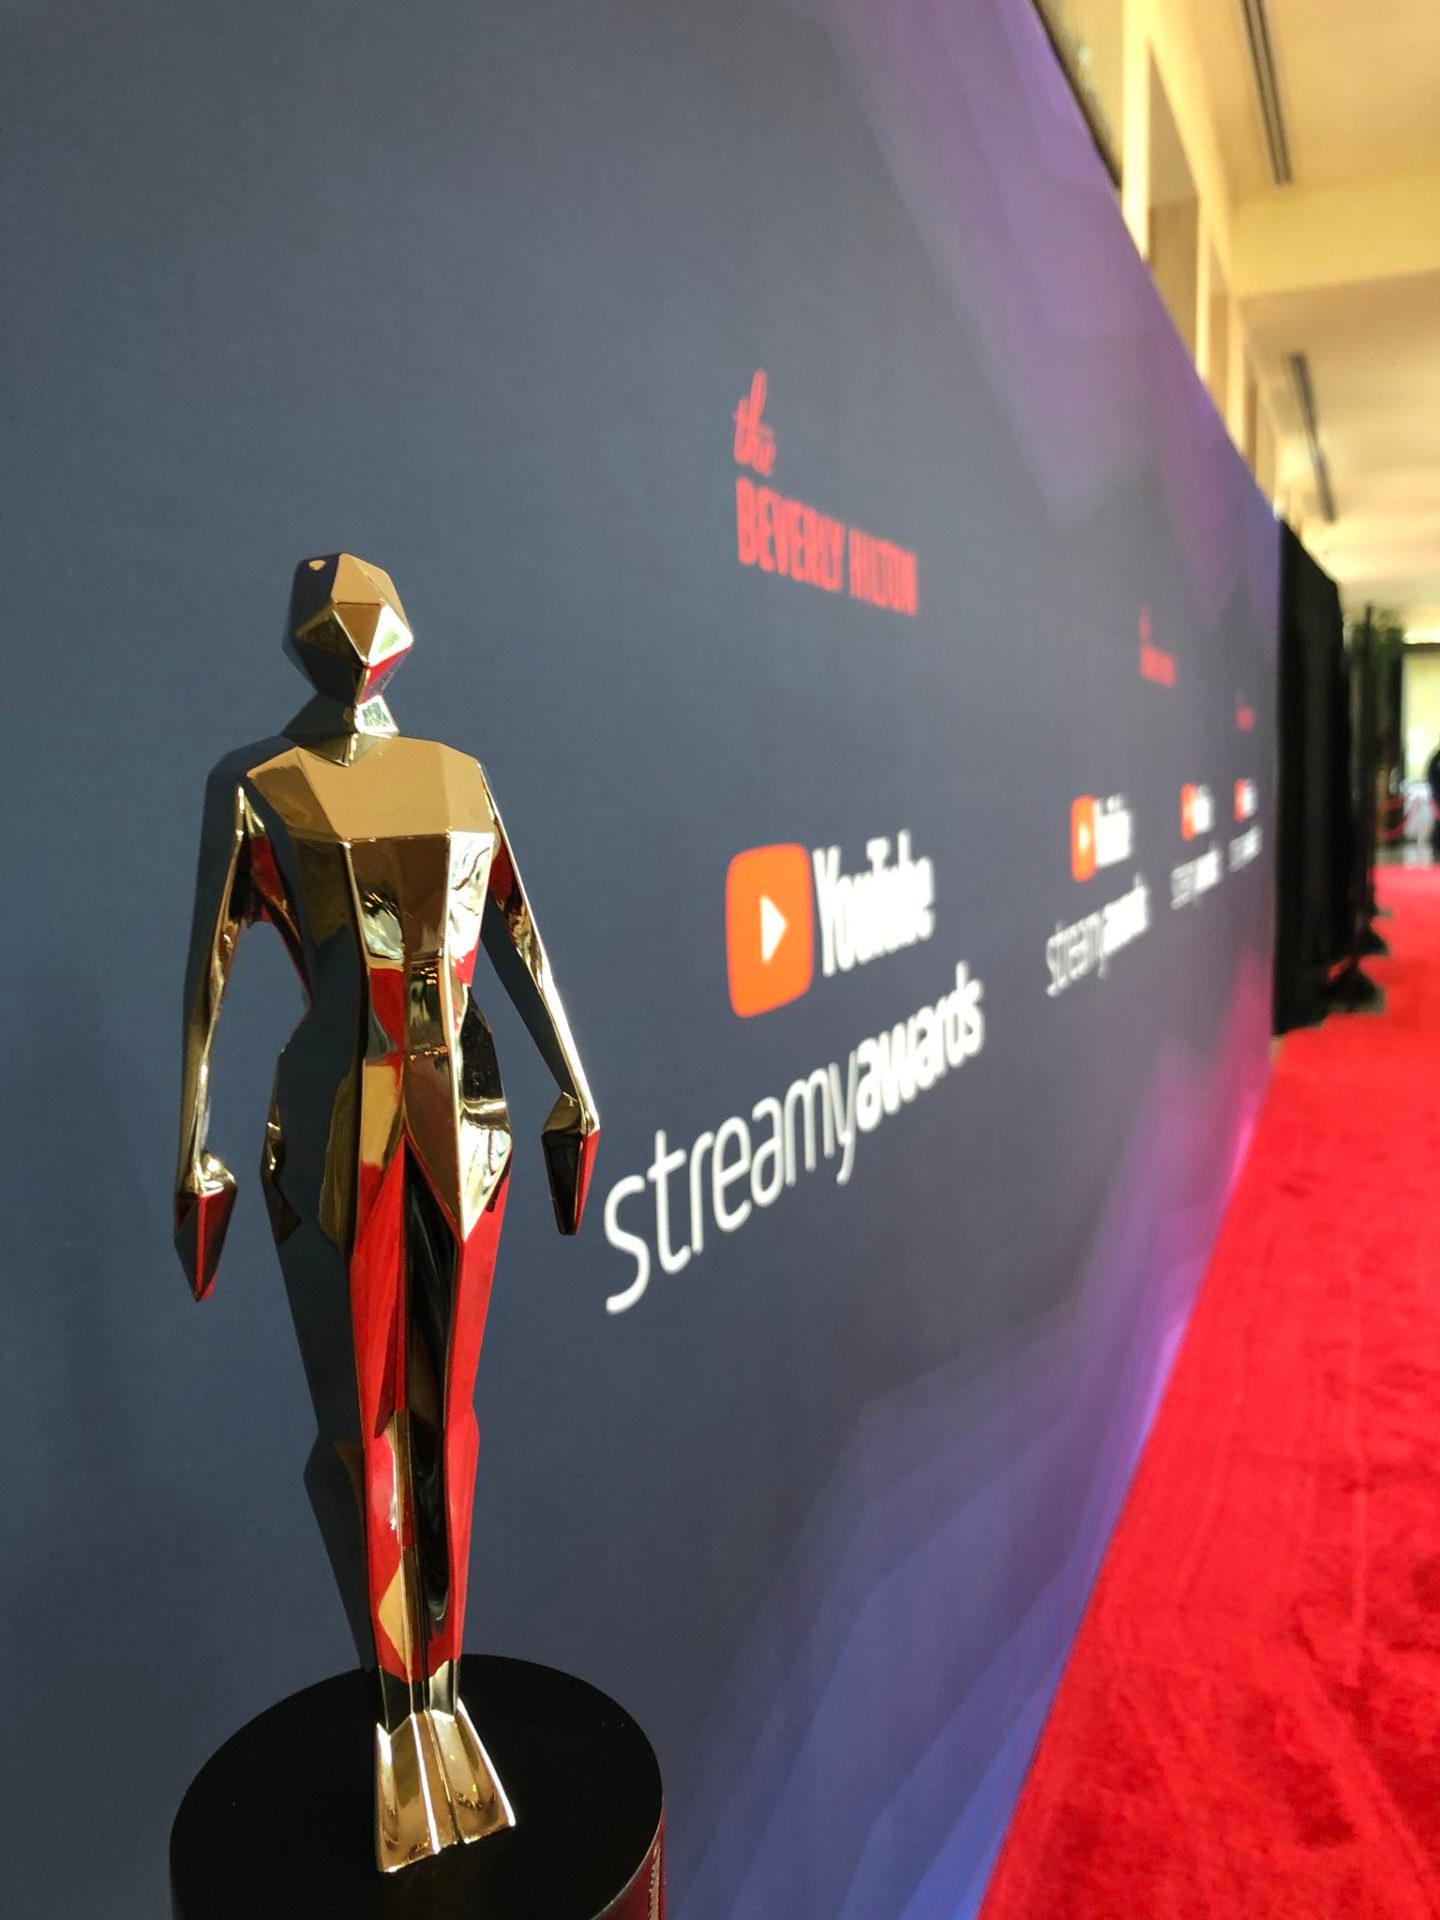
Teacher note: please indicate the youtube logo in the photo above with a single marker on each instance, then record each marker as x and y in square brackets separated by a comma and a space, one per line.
[772, 913]
[769, 927]
[1102, 832]
[1197, 810]
[1082, 837]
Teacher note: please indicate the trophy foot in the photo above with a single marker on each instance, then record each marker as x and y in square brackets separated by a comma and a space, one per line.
[434, 1787]
[268, 1828]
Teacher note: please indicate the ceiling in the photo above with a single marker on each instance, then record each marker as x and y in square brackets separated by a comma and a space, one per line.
[1375, 364]
[1358, 87]
[1360, 93]
[1358, 84]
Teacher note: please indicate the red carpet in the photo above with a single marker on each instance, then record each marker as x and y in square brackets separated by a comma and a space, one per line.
[1250, 1722]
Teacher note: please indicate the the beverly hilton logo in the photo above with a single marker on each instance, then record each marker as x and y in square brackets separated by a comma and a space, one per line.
[1156, 665]
[754, 437]
[777, 534]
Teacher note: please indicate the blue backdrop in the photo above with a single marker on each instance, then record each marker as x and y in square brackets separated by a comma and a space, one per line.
[811, 1457]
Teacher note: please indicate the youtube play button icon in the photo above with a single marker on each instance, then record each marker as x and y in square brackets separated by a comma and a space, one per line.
[1082, 837]
[769, 928]
[772, 929]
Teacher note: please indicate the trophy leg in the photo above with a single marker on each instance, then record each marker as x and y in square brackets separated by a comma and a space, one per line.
[434, 1782]
[317, 1286]
[480, 1800]
[390, 1327]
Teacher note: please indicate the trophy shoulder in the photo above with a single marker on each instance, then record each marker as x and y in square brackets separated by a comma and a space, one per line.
[463, 768]
[397, 788]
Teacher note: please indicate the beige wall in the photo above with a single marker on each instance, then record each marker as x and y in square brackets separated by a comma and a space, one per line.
[1248, 281]
[1159, 32]
[1159, 47]
[1422, 707]
[1092, 32]
[1175, 260]
[1215, 311]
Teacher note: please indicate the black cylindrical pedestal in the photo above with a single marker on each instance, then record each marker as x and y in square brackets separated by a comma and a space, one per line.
[278, 1823]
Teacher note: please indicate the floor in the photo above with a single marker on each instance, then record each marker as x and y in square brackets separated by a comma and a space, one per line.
[1250, 1722]
[1407, 853]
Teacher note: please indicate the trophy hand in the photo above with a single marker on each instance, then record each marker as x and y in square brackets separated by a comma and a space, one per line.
[203, 1204]
[570, 1137]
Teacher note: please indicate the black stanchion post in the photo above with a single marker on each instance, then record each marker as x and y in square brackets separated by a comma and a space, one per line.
[1371, 942]
[1390, 739]
[1351, 990]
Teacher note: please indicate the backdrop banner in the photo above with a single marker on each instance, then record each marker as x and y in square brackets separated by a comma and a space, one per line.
[810, 518]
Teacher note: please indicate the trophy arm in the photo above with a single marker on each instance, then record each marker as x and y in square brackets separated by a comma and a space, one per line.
[517, 953]
[204, 1185]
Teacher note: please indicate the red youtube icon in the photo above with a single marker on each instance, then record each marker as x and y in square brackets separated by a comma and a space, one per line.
[1083, 855]
[769, 928]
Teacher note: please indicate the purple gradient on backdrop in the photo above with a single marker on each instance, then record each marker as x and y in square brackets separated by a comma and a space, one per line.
[997, 172]
[872, 1607]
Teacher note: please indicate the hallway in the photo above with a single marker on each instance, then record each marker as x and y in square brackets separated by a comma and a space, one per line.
[1249, 1726]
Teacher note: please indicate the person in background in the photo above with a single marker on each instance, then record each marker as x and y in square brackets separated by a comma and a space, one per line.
[1432, 774]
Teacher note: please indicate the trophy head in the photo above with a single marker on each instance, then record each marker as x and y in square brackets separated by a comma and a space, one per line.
[347, 630]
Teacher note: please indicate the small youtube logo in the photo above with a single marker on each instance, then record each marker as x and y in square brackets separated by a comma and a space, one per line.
[769, 928]
[1197, 810]
[1082, 837]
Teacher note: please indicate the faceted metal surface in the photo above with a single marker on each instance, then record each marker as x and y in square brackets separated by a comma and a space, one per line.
[384, 866]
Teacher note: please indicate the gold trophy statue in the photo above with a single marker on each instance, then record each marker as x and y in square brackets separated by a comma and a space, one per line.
[384, 865]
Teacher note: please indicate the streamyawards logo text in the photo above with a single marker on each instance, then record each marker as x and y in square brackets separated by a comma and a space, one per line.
[783, 906]
[730, 1172]
[784, 536]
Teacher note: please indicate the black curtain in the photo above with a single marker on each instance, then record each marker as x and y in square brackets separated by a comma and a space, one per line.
[1340, 910]
[1314, 911]
[1390, 727]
